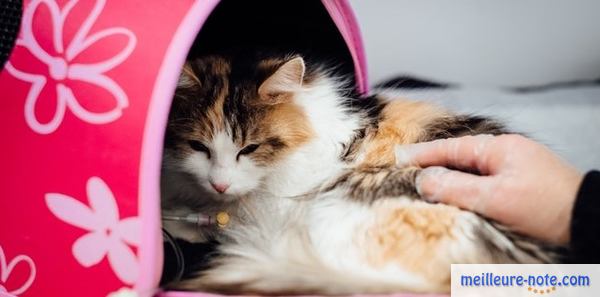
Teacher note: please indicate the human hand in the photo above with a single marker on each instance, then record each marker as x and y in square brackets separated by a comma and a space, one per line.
[522, 184]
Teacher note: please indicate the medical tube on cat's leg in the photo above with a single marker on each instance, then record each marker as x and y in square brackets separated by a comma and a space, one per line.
[221, 219]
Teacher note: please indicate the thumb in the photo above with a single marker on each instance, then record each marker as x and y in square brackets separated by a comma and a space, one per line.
[464, 190]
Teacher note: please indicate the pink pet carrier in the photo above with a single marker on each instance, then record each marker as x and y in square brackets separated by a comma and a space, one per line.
[85, 98]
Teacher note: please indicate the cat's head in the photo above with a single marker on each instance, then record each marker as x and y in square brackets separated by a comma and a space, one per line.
[231, 122]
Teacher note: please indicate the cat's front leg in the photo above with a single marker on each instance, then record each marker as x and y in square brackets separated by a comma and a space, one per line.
[368, 184]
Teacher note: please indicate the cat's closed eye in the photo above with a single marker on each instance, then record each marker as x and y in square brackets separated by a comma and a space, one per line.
[249, 149]
[198, 146]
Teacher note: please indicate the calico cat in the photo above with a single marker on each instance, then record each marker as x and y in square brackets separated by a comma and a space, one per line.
[307, 169]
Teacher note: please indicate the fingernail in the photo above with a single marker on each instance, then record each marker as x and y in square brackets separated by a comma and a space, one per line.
[405, 153]
[402, 156]
[429, 176]
[485, 136]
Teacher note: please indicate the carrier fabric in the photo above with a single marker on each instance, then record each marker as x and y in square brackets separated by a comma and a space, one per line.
[90, 84]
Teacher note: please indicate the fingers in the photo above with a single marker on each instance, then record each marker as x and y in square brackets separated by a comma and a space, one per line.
[468, 152]
[467, 191]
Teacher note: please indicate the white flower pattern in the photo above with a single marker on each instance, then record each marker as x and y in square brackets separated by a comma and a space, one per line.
[6, 268]
[109, 236]
[56, 81]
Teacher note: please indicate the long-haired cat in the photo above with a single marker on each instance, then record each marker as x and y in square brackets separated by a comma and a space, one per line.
[307, 169]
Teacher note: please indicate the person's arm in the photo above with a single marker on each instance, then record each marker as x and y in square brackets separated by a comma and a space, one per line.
[585, 222]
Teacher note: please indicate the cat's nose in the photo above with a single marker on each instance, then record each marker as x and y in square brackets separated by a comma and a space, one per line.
[221, 188]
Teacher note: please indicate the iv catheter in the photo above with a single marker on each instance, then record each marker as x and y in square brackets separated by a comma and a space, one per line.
[221, 219]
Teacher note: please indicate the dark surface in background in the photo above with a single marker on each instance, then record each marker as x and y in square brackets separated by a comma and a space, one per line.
[407, 82]
[302, 27]
[556, 85]
[182, 259]
[10, 19]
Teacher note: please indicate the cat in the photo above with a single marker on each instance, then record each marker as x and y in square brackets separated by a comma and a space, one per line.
[308, 171]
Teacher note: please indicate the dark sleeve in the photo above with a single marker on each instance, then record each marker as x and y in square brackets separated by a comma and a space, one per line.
[585, 224]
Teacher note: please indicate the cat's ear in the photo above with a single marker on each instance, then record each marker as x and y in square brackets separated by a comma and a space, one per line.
[187, 78]
[282, 84]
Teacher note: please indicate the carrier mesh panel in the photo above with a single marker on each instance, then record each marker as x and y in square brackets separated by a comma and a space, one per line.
[10, 19]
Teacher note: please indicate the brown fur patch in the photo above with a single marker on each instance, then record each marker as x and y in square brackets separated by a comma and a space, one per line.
[197, 109]
[413, 235]
[368, 184]
[284, 128]
[210, 98]
[187, 78]
[213, 120]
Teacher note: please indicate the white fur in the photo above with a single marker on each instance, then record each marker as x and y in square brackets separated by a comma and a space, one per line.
[240, 175]
[310, 165]
[314, 246]
[284, 244]
[301, 171]
[282, 239]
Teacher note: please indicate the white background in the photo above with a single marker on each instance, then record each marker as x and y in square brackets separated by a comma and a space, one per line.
[482, 42]
[485, 45]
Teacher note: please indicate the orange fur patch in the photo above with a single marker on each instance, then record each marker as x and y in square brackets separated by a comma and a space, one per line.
[413, 235]
[287, 122]
[402, 122]
[291, 123]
